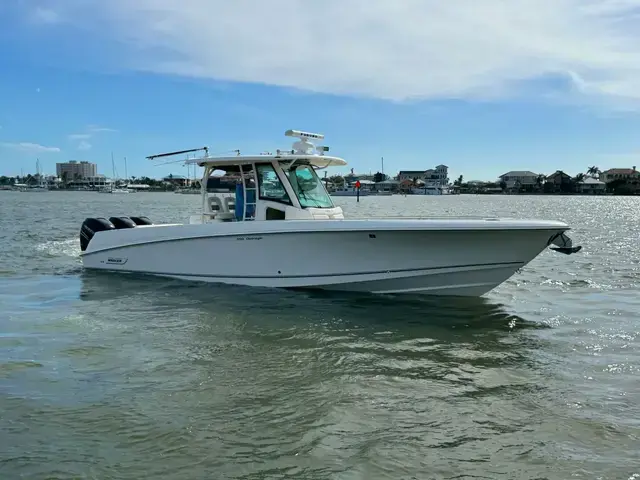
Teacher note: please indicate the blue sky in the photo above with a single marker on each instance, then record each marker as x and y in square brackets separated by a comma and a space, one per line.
[483, 87]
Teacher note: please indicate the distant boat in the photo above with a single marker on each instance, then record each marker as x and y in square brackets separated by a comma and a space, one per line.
[430, 190]
[349, 192]
[115, 189]
[40, 187]
[112, 189]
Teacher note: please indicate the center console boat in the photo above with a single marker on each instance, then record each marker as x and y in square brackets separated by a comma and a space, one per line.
[278, 227]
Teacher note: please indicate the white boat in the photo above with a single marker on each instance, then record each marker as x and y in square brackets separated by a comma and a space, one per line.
[34, 189]
[113, 187]
[349, 191]
[41, 185]
[115, 190]
[430, 190]
[280, 228]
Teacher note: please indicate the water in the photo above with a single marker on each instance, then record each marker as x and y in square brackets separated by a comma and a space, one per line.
[124, 377]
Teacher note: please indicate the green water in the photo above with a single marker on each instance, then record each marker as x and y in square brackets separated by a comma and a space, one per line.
[125, 377]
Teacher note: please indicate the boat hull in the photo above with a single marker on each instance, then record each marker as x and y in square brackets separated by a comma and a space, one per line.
[371, 257]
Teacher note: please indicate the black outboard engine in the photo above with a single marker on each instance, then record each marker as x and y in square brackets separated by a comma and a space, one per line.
[122, 222]
[89, 228]
[141, 220]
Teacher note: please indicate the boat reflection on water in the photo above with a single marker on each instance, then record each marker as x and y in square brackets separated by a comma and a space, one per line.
[258, 332]
[261, 306]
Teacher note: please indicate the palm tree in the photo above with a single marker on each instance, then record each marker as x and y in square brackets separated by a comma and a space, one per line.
[337, 179]
[540, 180]
[577, 180]
[593, 171]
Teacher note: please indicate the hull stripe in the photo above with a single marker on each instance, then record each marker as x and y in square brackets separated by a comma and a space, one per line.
[473, 266]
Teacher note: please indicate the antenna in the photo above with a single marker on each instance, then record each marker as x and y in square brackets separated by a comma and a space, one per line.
[303, 135]
[205, 149]
[322, 149]
[304, 146]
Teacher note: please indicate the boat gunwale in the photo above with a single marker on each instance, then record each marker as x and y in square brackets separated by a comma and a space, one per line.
[359, 227]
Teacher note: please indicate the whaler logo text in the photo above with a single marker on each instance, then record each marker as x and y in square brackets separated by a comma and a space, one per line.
[116, 261]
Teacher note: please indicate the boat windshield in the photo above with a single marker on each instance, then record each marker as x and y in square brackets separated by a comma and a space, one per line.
[308, 187]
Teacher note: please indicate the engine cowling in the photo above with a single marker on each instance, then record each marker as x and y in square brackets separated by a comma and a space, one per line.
[122, 222]
[141, 220]
[89, 228]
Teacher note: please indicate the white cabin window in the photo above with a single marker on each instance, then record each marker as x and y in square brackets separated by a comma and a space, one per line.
[308, 187]
[270, 186]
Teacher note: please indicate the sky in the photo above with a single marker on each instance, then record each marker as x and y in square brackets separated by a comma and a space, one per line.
[483, 86]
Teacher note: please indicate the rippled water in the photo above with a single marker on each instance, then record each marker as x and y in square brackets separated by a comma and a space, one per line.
[125, 377]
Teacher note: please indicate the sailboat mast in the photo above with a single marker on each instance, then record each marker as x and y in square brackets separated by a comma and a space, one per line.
[113, 172]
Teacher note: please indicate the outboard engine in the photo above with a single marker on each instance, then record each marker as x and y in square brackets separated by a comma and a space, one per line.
[141, 220]
[89, 228]
[122, 222]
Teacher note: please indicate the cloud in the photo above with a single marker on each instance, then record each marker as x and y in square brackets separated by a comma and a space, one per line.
[98, 129]
[393, 50]
[45, 16]
[78, 136]
[91, 131]
[30, 147]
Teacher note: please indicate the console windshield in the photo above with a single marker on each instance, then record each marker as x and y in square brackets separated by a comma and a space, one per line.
[308, 187]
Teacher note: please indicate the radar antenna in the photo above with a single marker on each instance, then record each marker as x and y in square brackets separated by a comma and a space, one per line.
[304, 146]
